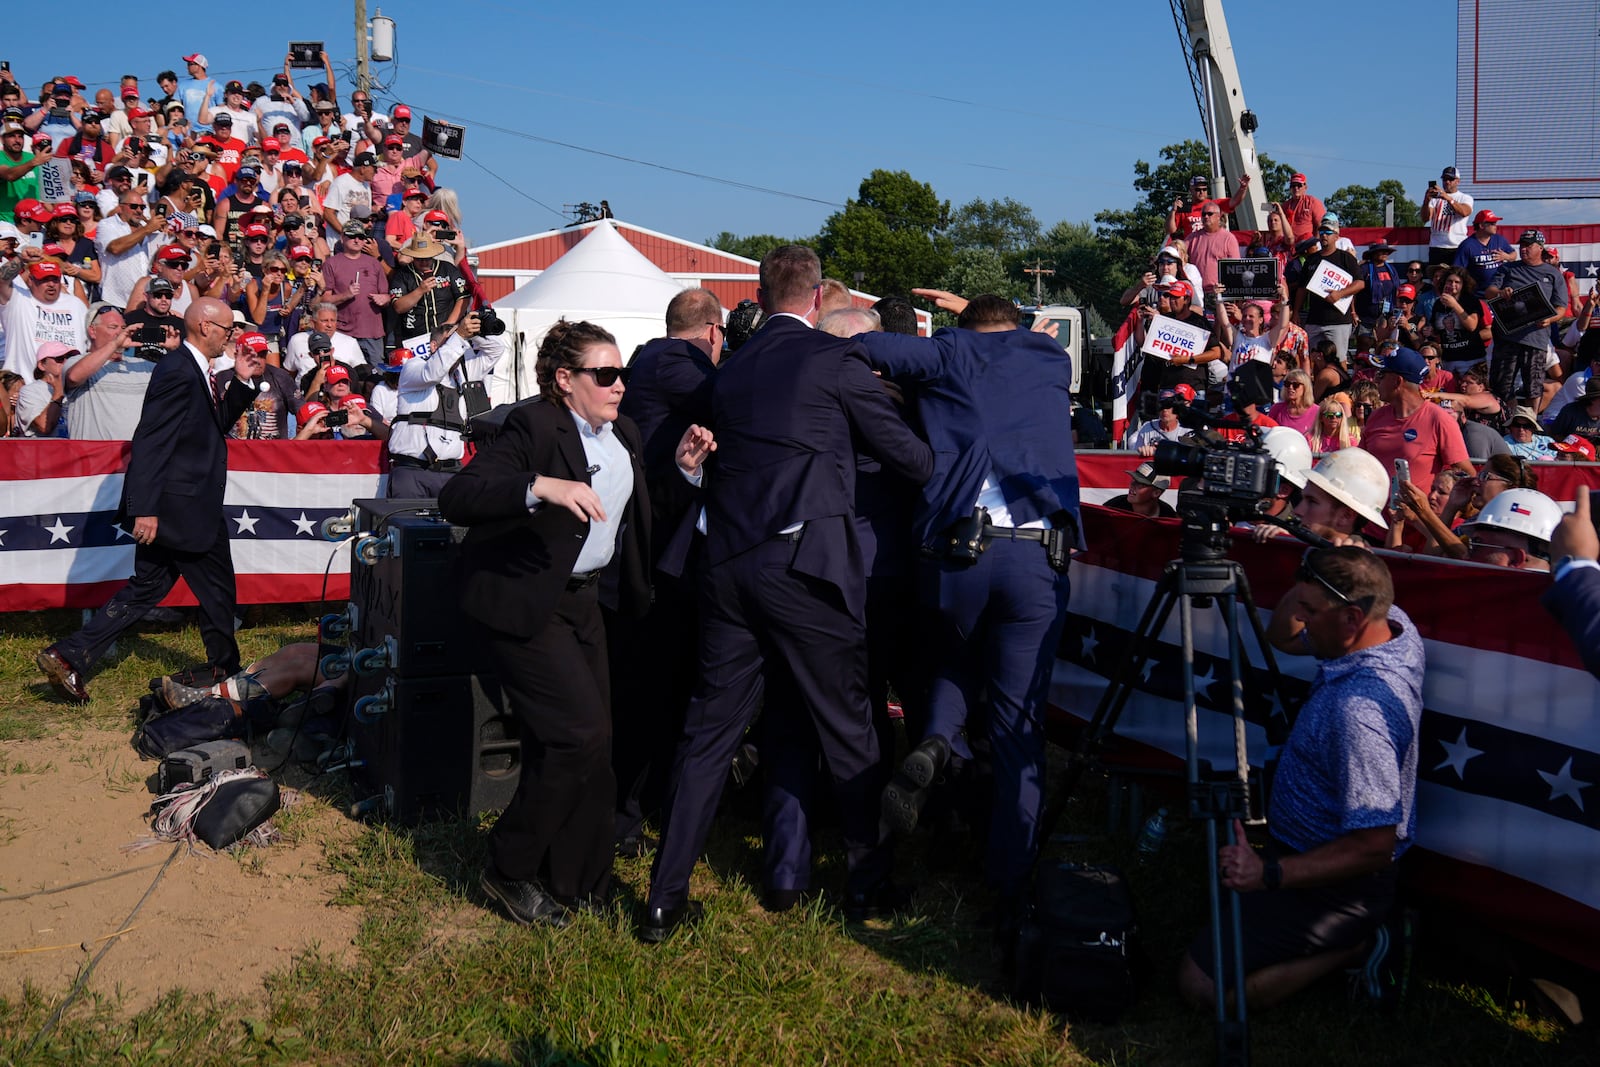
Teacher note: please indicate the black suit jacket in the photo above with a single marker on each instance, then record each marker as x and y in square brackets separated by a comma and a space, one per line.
[515, 564]
[178, 468]
[669, 390]
[789, 416]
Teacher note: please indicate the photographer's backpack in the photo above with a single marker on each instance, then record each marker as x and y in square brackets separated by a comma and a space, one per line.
[1076, 949]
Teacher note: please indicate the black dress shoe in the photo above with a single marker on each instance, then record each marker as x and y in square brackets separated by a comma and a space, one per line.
[63, 676]
[636, 846]
[781, 900]
[907, 791]
[658, 923]
[525, 902]
[885, 898]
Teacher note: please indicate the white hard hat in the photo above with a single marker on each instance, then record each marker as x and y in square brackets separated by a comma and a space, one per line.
[1289, 448]
[1355, 478]
[1524, 511]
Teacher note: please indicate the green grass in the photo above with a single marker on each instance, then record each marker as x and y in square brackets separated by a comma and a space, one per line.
[438, 979]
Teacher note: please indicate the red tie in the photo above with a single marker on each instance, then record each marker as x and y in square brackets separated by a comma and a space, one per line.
[216, 396]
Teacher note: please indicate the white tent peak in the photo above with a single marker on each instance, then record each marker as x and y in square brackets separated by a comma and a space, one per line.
[601, 272]
[602, 279]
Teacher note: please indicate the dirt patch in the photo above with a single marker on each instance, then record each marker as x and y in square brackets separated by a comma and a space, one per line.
[217, 922]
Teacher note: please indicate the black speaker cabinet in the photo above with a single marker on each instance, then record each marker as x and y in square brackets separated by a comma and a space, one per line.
[429, 726]
[408, 592]
[433, 746]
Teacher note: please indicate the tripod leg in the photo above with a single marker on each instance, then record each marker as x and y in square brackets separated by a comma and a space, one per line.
[1115, 698]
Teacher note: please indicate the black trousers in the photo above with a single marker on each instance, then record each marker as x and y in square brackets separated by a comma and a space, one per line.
[557, 830]
[156, 569]
[756, 610]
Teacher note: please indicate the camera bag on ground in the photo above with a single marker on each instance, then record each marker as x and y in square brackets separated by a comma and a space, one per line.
[211, 719]
[200, 764]
[232, 806]
[1077, 944]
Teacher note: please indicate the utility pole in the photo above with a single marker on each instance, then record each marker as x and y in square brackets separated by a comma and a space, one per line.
[1038, 270]
[363, 74]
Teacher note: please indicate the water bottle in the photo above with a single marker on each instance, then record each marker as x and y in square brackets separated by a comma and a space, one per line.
[1153, 834]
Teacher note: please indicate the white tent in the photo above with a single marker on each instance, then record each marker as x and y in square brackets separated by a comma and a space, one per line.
[603, 279]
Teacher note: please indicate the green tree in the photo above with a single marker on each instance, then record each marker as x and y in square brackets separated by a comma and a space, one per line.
[1083, 268]
[1003, 225]
[1362, 205]
[893, 233]
[756, 245]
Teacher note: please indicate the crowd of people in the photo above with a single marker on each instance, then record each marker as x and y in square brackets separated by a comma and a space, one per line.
[324, 231]
[1399, 363]
[790, 507]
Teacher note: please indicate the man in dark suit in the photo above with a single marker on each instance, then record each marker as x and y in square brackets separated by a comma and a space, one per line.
[653, 659]
[785, 577]
[996, 403]
[1574, 594]
[559, 521]
[172, 496]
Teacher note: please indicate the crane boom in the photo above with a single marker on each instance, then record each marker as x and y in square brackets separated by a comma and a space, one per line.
[1230, 126]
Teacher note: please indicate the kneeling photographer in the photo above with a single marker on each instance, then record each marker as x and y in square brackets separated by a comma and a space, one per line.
[1342, 808]
[441, 390]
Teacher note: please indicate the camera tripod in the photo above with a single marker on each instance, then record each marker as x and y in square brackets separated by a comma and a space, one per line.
[1202, 577]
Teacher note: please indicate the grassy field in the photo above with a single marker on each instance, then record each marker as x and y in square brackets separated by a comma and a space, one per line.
[437, 979]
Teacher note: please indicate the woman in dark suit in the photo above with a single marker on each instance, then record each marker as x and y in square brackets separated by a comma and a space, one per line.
[559, 520]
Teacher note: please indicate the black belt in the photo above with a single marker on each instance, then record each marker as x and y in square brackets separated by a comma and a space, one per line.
[582, 581]
[1013, 533]
[436, 465]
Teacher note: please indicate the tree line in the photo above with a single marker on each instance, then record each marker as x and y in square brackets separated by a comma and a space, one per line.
[896, 233]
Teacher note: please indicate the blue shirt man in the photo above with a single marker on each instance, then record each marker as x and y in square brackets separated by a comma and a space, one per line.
[197, 89]
[1343, 803]
[1485, 251]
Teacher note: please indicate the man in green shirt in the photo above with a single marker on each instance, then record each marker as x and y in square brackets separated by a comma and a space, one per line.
[17, 180]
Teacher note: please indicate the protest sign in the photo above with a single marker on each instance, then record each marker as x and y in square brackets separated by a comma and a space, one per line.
[1330, 278]
[443, 138]
[1165, 338]
[1248, 279]
[55, 181]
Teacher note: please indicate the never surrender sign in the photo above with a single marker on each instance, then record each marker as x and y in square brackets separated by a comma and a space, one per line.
[1165, 338]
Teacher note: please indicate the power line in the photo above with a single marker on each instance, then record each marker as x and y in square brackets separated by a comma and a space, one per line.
[513, 188]
[731, 182]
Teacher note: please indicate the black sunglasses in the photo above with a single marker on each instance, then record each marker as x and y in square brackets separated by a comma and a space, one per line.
[606, 377]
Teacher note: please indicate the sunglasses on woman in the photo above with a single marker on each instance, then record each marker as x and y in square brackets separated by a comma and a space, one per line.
[606, 377]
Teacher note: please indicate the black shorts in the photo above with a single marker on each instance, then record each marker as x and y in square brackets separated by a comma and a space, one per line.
[1446, 256]
[1290, 924]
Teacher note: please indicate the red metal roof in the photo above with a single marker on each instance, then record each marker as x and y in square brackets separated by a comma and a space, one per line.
[674, 255]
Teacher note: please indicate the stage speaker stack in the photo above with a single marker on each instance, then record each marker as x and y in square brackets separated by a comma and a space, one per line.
[429, 729]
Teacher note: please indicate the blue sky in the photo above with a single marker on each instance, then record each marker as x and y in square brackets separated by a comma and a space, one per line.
[1049, 103]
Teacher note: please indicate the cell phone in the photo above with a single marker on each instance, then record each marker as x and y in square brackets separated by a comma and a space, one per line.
[1433, 185]
[36, 240]
[152, 336]
[336, 418]
[1402, 474]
